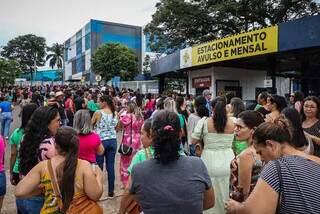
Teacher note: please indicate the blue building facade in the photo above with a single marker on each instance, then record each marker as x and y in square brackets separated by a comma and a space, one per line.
[81, 46]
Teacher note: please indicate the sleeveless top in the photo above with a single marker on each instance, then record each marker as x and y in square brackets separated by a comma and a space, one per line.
[50, 204]
[256, 170]
[105, 127]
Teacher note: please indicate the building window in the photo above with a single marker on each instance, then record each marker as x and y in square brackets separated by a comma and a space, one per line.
[87, 28]
[79, 35]
[78, 64]
[79, 47]
[83, 63]
[87, 41]
[73, 66]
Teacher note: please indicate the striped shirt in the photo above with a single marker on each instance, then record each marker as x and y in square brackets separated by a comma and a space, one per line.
[300, 184]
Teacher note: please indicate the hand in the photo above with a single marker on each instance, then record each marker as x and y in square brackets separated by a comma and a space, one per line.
[231, 206]
[12, 181]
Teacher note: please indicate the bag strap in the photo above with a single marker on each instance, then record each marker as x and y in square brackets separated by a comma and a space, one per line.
[131, 132]
[280, 185]
[201, 134]
[148, 153]
[55, 186]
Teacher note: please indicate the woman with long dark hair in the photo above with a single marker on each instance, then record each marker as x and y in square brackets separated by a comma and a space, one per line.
[105, 121]
[170, 183]
[37, 145]
[200, 112]
[299, 138]
[275, 104]
[216, 132]
[15, 140]
[76, 178]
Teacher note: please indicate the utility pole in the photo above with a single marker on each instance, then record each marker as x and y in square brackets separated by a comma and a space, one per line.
[35, 67]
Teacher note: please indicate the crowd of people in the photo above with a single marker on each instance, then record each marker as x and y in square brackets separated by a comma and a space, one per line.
[178, 154]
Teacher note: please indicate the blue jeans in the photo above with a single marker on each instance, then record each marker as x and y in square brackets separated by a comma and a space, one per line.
[3, 183]
[110, 148]
[6, 118]
[30, 205]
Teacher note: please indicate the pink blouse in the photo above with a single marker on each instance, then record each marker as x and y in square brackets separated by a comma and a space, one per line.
[136, 124]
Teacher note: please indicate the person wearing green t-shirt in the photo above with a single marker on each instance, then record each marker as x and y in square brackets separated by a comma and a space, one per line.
[15, 140]
[92, 105]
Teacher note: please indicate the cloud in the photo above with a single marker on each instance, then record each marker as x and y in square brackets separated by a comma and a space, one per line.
[58, 20]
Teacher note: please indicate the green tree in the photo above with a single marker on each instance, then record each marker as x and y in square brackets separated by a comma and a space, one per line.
[55, 55]
[146, 65]
[177, 24]
[9, 70]
[114, 59]
[29, 50]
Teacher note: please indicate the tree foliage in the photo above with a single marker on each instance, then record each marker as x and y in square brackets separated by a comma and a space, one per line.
[9, 70]
[177, 24]
[114, 59]
[27, 50]
[147, 64]
[55, 55]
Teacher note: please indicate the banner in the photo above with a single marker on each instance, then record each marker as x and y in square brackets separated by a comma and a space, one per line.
[256, 42]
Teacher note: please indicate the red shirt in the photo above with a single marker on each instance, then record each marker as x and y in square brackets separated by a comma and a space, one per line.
[88, 147]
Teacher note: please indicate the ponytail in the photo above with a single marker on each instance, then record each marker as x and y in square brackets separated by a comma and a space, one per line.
[67, 142]
[219, 114]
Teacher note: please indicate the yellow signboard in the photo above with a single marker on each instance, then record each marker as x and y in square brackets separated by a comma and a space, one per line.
[246, 44]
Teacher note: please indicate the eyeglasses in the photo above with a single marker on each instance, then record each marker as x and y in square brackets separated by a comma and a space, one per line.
[306, 106]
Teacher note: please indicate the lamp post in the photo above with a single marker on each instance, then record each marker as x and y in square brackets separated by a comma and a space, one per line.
[63, 62]
[35, 67]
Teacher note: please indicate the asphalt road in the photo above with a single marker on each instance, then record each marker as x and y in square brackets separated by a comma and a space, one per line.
[109, 205]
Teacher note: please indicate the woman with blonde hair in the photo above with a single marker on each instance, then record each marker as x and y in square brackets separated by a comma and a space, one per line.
[131, 120]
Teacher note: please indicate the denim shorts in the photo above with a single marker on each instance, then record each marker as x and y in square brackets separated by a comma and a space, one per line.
[31, 205]
[3, 183]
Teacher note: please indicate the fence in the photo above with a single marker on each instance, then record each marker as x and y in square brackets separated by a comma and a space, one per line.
[149, 86]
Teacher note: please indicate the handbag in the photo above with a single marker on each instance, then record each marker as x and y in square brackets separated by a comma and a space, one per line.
[80, 205]
[125, 149]
[134, 207]
[199, 146]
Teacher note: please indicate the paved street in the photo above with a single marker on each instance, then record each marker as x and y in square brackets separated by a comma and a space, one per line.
[109, 205]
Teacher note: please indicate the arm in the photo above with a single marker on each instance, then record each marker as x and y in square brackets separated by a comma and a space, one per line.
[256, 203]
[100, 150]
[126, 198]
[314, 139]
[29, 185]
[245, 172]
[208, 199]
[13, 160]
[92, 181]
[95, 118]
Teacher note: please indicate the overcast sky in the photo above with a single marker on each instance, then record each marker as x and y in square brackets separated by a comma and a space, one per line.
[59, 19]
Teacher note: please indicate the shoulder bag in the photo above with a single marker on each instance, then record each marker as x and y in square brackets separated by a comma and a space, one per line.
[81, 205]
[199, 146]
[125, 149]
[134, 207]
[278, 167]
